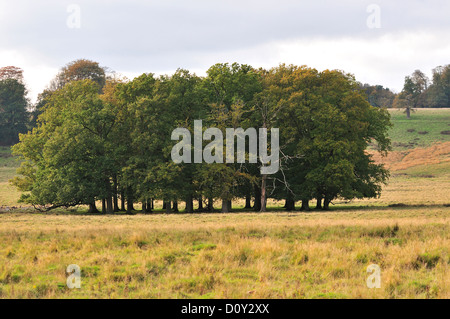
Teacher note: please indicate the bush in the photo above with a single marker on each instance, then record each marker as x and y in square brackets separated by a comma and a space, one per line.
[362, 258]
[428, 260]
[384, 232]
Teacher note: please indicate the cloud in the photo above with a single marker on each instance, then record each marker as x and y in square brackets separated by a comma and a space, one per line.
[133, 36]
[384, 60]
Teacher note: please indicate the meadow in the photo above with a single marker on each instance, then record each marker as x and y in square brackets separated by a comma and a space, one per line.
[246, 254]
[240, 255]
[423, 129]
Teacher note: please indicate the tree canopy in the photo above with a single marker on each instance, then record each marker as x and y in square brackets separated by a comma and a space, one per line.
[14, 116]
[107, 140]
[419, 91]
[77, 70]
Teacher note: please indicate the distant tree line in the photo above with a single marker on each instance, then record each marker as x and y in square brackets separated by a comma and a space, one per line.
[14, 115]
[18, 114]
[378, 96]
[418, 91]
[108, 139]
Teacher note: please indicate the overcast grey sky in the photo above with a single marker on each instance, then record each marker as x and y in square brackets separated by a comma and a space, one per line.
[132, 37]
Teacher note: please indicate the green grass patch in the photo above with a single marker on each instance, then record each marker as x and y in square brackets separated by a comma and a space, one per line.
[422, 130]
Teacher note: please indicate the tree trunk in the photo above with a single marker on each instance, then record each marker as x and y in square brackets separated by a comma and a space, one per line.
[248, 201]
[103, 206]
[149, 206]
[326, 203]
[167, 207]
[210, 204]
[122, 197]
[92, 208]
[115, 191]
[130, 207]
[263, 193]
[175, 206]
[164, 205]
[189, 204]
[257, 204]
[109, 205]
[130, 199]
[153, 204]
[408, 113]
[116, 203]
[305, 205]
[319, 203]
[144, 207]
[225, 206]
[290, 203]
[200, 203]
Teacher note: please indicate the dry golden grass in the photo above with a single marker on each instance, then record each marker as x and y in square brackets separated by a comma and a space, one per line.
[419, 176]
[401, 160]
[283, 255]
[9, 195]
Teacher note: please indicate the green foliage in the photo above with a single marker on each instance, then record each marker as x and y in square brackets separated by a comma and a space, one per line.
[230, 90]
[327, 126]
[13, 110]
[417, 91]
[428, 260]
[67, 161]
[438, 94]
[96, 141]
[78, 70]
[378, 96]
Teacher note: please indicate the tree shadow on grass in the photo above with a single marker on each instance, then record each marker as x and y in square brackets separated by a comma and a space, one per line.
[81, 211]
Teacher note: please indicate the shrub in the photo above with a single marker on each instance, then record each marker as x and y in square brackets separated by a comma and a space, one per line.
[428, 260]
[393, 241]
[362, 258]
[384, 232]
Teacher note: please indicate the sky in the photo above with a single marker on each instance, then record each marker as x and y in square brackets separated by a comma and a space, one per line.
[380, 42]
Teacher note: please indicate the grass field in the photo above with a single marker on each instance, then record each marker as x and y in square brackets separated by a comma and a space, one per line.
[422, 130]
[248, 255]
[284, 255]
[9, 196]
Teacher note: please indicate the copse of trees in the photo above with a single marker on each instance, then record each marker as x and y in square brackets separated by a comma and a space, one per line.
[14, 116]
[413, 94]
[379, 96]
[418, 91]
[18, 115]
[77, 70]
[438, 94]
[111, 141]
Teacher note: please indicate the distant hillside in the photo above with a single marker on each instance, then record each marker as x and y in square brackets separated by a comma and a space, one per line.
[425, 127]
